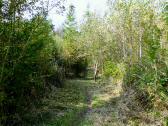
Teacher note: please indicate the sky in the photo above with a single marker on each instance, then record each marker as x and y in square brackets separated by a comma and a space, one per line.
[98, 6]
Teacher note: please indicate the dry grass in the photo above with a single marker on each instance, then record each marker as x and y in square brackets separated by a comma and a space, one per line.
[110, 106]
[103, 110]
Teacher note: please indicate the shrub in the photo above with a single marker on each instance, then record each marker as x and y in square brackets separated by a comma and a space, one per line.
[113, 70]
[27, 61]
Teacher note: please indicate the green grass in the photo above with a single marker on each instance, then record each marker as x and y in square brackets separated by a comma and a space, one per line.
[86, 103]
[61, 107]
[104, 105]
[73, 98]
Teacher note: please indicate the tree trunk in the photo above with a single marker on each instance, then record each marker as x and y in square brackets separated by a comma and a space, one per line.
[95, 71]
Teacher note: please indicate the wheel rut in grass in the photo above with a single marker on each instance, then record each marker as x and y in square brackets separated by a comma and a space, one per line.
[87, 86]
[102, 100]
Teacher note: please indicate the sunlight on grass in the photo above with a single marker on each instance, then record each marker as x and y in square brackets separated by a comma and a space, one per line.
[62, 106]
[105, 94]
[103, 111]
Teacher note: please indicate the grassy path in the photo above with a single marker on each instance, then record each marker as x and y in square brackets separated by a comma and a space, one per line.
[82, 103]
[86, 103]
[79, 103]
[62, 107]
[103, 105]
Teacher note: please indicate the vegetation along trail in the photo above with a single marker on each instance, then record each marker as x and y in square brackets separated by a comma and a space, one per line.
[83, 63]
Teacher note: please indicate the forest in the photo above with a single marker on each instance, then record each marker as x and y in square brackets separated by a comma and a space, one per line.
[109, 70]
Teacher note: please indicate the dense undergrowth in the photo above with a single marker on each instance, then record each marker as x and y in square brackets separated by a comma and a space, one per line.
[32, 61]
[128, 44]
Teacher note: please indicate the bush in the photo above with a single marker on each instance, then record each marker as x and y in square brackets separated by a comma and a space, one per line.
[80, 67]
[148, 77]
[113, 70]
[27, 61]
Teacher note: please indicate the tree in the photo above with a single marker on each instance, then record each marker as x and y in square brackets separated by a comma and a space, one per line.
[75, 63]
[95, 40]
[26, 58]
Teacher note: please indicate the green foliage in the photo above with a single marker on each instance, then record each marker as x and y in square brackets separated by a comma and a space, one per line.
[130, 44]
[113, 70]
[75, 63]
[28, 62]
[147, 78]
